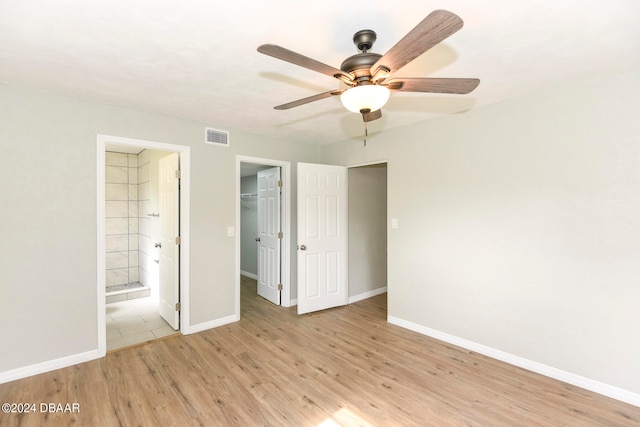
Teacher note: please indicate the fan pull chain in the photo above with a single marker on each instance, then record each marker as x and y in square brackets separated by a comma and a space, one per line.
[366, 133]
[364, 113]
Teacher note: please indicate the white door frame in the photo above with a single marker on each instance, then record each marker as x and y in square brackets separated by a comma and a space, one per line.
[285, 297]
[185, 184]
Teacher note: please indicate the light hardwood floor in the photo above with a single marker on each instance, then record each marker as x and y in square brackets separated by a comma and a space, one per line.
[345, 366]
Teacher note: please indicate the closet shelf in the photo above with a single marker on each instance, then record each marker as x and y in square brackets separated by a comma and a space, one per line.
[247, 196]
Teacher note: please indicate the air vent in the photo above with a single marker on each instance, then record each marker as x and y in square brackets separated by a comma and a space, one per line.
[216, 137]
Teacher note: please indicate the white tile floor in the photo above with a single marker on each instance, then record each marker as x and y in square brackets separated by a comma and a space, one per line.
[134, 321]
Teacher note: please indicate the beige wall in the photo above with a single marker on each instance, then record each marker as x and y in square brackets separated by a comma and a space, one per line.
[48, 217]
[519, 226]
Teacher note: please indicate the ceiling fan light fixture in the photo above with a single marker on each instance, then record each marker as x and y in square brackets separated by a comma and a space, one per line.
[365, 97]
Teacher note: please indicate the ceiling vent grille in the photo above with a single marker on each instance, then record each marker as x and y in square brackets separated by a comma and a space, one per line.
[216, 137]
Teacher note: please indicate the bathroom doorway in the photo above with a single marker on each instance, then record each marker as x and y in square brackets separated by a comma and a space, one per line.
[133, 286]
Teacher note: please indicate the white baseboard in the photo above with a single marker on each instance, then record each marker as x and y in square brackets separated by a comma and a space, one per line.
[211, 324]
[549, 371]
[366, 295]
[352, 299]
[249, 275]
[50, 365]
[63, 362]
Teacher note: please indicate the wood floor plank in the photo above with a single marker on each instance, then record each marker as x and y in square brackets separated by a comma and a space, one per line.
[345, 366]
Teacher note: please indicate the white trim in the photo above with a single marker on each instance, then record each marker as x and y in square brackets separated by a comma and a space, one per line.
[211, 324]
[548, 371]
[249, 275]
[185, 206]
[101, 251]
[49, 365]
[373, 162]
[368, 294]
[285, 299]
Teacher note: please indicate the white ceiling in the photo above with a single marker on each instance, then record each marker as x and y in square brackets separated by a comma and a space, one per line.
[198, 60]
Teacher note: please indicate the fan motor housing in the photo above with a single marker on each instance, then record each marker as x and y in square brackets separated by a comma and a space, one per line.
[359, 65]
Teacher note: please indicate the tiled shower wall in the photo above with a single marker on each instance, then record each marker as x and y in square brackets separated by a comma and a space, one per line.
[121, 222]
[147, 221]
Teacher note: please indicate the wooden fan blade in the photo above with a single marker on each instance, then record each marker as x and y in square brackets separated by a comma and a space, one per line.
[433, 29]
[301, 60]
[308, 99]
[433, 85]
[373, 115]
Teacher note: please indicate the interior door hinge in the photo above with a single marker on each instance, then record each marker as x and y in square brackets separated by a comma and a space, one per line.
[178, 240]
[279, 183]
[178, 174]
[279, 286]
[280, 235]
[178, 307]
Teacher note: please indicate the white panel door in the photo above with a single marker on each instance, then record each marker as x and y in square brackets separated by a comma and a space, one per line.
[169, 283]
[268, 229]
[322, 237]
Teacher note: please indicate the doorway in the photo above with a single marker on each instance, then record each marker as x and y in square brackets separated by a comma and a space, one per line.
[342, 234]
[255, 181]
[367, 265]
[140, 249]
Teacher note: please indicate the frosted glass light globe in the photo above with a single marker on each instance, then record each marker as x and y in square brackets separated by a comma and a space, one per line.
[366, 97]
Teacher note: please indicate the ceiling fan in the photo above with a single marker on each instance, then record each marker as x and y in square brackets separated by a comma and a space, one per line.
[367, 75]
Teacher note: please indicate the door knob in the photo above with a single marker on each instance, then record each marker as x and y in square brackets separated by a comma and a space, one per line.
[303, 248]
[257, 239]
[158, 245]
